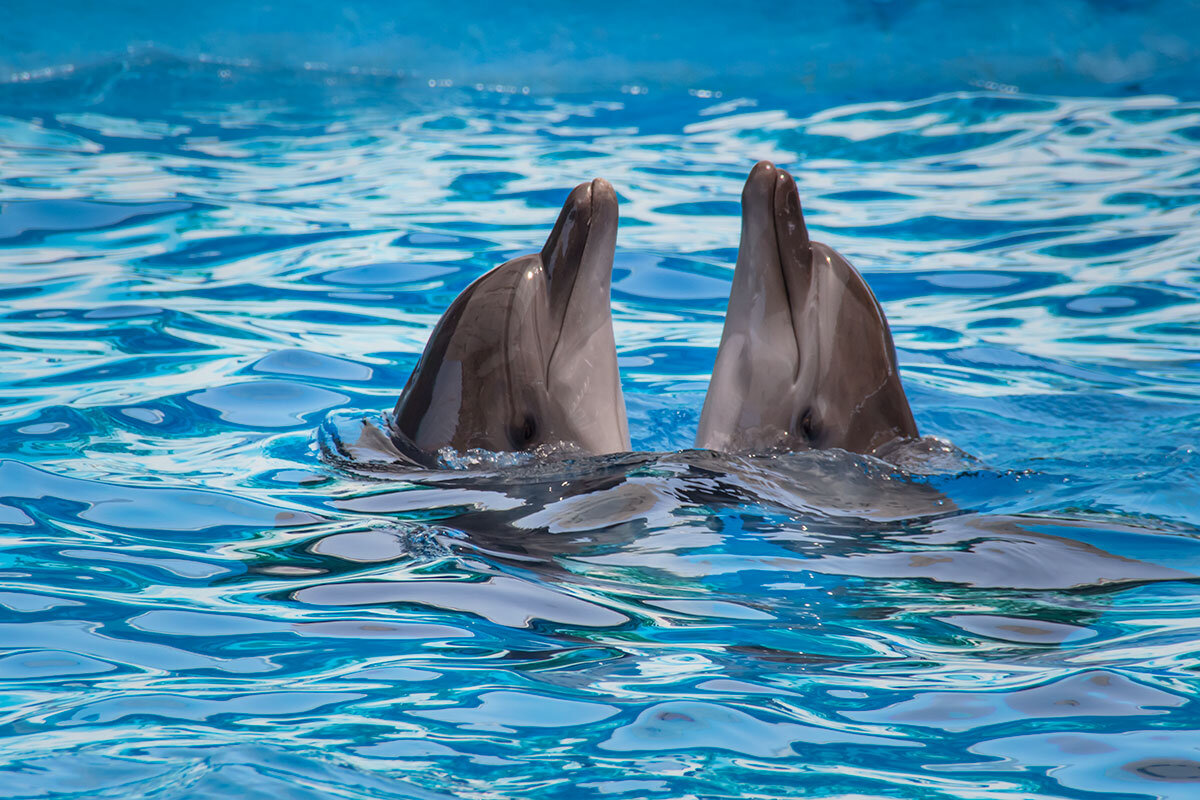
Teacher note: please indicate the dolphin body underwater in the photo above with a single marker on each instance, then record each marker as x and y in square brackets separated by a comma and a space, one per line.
[525, 357]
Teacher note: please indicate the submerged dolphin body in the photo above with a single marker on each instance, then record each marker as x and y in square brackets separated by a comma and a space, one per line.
[525, 356]
[806, 358]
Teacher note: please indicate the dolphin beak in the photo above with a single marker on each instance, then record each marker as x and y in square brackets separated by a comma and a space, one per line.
[772, 217]
[581, 370]
[758, 193]
[578, 255]
[759, 357]
[774, 270]
[570, 230]
[602, 238]
[591, 207]
[791, 234]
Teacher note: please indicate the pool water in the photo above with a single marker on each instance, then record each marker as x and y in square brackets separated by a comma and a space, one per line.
[214, 276]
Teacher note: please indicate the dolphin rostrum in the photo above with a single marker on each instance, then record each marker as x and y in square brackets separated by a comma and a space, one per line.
[806, 358]
[525, 356]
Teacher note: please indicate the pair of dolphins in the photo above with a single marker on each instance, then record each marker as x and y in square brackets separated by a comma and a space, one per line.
[525, 357]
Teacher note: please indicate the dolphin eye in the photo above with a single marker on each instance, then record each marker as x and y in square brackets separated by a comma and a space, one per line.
[807, 426]
[524, 431]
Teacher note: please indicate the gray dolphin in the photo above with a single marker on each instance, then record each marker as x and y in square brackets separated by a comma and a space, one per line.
[806, 358]
[525, 356]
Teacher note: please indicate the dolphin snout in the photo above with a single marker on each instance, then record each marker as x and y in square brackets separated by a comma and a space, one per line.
[602, 223]
[591, 199]
[771, 202]
[771, 215]
[603, 200]
[759, 187]
[795, 248]
[579, 202]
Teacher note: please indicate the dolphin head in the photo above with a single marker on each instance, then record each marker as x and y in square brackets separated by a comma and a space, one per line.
[525, 356]
[806, 358]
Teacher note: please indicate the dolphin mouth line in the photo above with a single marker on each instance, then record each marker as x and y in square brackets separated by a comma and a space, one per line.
[783, 274]
[589, 261]
[778, 188]
[566, 303]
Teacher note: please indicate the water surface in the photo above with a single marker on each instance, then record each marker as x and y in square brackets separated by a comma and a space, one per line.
[212, 274]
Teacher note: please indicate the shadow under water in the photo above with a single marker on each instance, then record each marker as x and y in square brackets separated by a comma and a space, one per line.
[657, 515]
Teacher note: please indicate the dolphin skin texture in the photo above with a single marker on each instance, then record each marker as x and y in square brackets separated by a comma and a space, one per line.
[525, 356]
[806, 358]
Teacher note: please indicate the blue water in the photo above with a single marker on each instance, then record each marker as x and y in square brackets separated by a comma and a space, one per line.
[211, 274]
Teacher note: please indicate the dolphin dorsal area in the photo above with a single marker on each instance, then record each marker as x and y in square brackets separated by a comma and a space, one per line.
[806, 358]
[525, 357]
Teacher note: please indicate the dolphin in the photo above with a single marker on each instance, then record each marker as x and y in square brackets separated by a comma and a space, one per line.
[806, 359]
[525, 357]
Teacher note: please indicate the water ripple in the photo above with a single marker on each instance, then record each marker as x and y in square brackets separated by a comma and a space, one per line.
[213, 580]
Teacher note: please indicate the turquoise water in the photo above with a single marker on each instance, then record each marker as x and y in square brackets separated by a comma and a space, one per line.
[211, 274]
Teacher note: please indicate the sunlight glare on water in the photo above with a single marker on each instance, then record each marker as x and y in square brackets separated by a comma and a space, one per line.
[211, 275]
